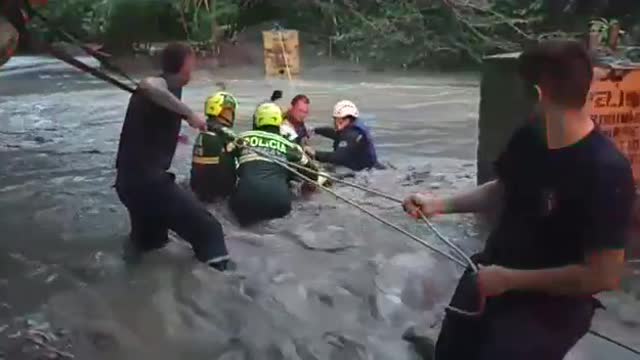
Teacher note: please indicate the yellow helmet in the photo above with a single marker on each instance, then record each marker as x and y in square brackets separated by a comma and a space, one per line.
[268, 114]
[219, 101]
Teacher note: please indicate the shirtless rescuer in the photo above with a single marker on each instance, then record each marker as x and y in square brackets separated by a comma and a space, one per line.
[147, 144]
[262, 191]
[213, 168]
[353, 145]
[567, 195]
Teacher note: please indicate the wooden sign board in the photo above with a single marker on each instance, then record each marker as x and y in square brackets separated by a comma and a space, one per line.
[281, 52]
[615, 107]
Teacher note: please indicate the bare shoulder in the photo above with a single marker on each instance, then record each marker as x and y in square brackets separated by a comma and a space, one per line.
[153, 82]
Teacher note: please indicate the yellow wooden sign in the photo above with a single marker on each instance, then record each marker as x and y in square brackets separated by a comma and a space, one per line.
[281, 52]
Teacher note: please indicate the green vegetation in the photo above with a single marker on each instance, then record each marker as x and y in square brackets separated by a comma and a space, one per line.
[406, 33]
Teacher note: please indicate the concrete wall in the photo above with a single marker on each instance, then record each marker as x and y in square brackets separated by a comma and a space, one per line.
[504, 105]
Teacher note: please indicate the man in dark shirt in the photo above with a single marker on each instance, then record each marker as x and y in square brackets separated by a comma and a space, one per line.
[353, 145]
[147, 145]
[567, 195]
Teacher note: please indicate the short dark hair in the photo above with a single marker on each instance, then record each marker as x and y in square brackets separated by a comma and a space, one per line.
[562, 68]
[300, 97]
[173, 57]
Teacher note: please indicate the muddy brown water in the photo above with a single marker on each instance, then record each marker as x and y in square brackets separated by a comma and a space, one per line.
[326, 282]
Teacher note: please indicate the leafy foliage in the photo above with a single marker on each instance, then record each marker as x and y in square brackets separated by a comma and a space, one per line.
[407, 33]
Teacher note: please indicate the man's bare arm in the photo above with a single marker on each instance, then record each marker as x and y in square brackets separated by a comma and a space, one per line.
[601, 272]
[157, 90]
[483, 198]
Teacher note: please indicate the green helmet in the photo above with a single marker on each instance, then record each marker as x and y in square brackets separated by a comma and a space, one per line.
[219, 101]
[268, 114]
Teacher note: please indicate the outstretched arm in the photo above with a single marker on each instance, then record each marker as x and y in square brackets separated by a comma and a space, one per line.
[351, 143]
[601, 272]
[297, 155]
[157, 90]
[326, 131]
[480, 199]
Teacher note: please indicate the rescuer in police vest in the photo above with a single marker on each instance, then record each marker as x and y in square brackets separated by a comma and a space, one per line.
[213, 167]
[262, 191]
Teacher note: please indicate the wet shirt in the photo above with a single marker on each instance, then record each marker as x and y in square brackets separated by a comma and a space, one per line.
[148, 139]
[294, 131]
[560, 204]
[351, 148]
[213, 168]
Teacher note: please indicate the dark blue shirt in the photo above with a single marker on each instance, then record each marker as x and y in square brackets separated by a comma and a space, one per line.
[560, 204]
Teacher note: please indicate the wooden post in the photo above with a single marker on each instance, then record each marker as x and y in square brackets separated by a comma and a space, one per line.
[214, 26]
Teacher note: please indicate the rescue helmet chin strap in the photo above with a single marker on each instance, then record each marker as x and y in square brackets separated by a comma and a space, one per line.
[223, 119]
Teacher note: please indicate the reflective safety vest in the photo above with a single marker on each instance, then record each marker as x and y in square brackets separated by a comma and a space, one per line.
[274, 144]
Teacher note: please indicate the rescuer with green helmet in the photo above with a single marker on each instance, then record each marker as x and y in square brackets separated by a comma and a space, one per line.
[213, 166]
[262, 191]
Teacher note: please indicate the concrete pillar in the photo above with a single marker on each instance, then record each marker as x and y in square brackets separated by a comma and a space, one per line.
[505, 105]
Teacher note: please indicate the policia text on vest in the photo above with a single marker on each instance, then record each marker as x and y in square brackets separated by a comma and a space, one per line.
[262, 191]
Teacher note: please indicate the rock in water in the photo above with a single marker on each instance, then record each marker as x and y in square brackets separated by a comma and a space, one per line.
[324, 237]
[8, 40]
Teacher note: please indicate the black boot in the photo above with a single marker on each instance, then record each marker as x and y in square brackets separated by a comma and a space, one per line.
[223, 265]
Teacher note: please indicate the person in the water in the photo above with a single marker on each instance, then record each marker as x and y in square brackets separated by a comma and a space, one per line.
[353, 145]
[566, 195]
[262, 191]
[147, 145]
[294, 127]
[213, 167]
[275, 96]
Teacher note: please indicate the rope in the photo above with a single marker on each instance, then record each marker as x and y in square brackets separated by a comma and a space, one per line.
[286, 165]
[286, 59]
[359, 207]
[61, 55]
[614, 342]
[429, 224]
[385, 222]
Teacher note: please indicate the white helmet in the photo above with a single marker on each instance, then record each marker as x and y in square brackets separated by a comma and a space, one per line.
[345, 108]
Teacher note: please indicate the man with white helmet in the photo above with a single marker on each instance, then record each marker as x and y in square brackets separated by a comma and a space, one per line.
[353, 145]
